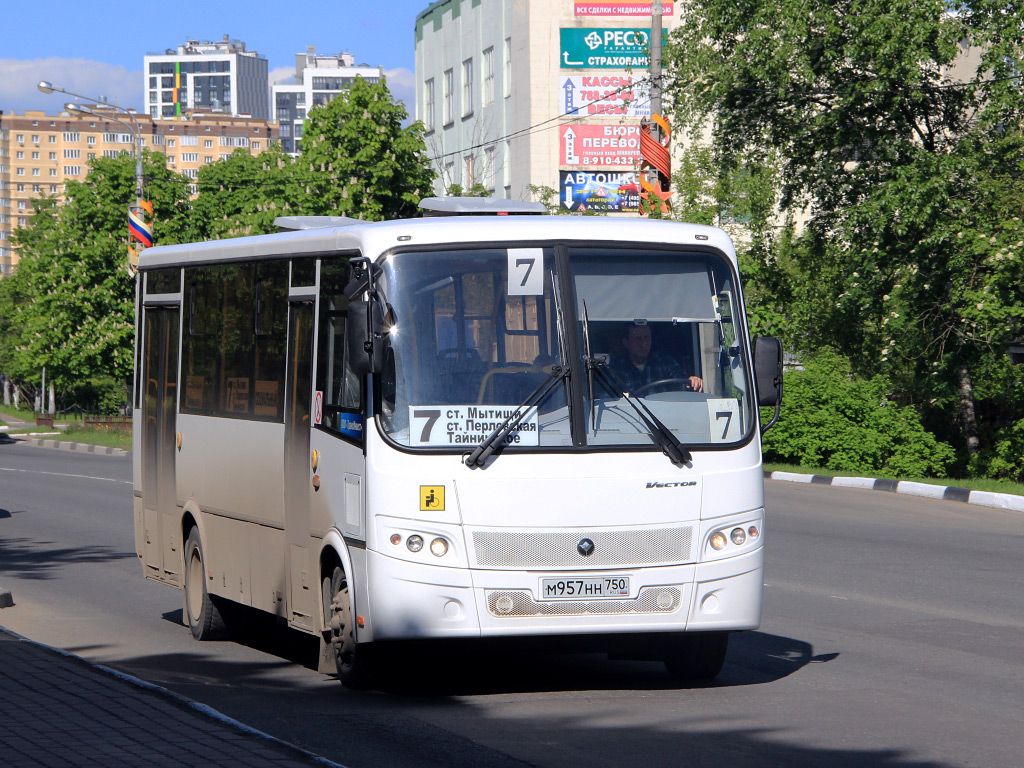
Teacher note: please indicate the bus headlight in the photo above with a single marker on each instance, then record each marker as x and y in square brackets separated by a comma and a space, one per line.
[738, 536]
[439, 547]
[718, 541]
[414, 543]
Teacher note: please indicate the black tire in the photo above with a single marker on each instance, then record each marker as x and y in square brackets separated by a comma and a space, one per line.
[353, 660]
[697, 656]
[202, 614]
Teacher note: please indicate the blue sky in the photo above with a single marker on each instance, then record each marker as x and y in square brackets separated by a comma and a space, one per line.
[96, 49]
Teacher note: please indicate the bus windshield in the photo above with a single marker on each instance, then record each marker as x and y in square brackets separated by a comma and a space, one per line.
[474, 332]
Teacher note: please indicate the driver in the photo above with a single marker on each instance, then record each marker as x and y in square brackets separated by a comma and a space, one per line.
[638, 366]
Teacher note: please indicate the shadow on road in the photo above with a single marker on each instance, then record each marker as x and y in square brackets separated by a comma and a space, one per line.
[520, 665]
[27, 558]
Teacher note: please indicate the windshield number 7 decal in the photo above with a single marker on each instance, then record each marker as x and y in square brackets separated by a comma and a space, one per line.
[724, 417]
[525, 272]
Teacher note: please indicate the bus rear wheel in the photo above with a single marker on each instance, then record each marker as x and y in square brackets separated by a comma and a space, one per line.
[353, 661]
[204, 618]
[697, 656]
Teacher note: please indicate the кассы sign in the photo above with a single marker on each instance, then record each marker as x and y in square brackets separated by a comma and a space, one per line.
[590, 48]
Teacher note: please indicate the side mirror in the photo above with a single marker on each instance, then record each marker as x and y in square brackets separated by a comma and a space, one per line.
[768, 374]
[364, 331]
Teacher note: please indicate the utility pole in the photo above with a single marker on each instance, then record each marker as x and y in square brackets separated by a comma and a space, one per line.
[655, 134]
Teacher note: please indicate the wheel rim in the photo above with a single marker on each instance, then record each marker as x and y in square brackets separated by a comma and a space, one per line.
[341, 628]
[195, 594]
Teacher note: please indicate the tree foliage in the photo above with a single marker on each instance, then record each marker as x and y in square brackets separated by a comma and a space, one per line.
[895, 129]
[357, 160]
[69, 305]
[831, 419]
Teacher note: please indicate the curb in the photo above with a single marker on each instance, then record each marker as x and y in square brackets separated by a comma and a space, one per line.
[184, 701]
[65, 445]
[1007, 501]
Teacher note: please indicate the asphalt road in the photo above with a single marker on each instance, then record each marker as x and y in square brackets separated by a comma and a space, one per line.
[892, 637]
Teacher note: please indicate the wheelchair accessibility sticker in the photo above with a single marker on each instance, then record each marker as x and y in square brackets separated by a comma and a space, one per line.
[431, 498]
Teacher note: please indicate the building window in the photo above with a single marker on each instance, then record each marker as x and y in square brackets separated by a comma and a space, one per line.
[255, 145]
[208, 159]
[20, 138]
[72, 170]
[189, 157]
[19, 155]
[35, 138]
[189, 141]
[207, 143]
[53, 155]
[488, 76]
[19, 172]
[69, 136]
[53, 187]
[52, 139]
[72, 154]
[170, 142]
[35, 155]
[469, 168]
[507, 85]
[449, 174]
[449, 96]
[428, 104]
[35, 172]
[90, 141]
[467, 87]
[53, 171]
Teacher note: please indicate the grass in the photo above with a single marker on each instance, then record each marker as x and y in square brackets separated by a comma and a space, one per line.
[975, 484]
[109, 438]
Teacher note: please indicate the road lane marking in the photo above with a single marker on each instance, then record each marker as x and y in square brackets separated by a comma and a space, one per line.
[65, 474]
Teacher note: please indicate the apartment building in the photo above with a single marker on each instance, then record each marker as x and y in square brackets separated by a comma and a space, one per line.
[218, 78]
[40, 152]
[550, 93]
[318, 80]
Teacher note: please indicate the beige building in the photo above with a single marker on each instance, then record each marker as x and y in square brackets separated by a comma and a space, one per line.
[39, 152]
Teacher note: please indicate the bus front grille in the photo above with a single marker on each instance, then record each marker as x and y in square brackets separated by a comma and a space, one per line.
[561, 549]
[511, 603]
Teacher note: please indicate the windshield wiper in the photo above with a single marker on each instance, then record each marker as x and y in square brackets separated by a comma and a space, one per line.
[669, 443]
[479, 455]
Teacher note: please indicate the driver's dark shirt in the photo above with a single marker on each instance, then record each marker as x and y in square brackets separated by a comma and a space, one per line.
[658, 367]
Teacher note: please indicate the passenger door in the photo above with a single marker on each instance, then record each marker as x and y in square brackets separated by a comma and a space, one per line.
[303, 578]
[161, 556]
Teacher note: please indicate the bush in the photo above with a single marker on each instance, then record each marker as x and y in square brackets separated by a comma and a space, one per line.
[833, 420]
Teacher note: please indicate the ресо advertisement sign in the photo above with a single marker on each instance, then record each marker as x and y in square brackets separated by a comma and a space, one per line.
[620, 95]
[619, 8]
[599, 145]
[605, 48]
[603, 192]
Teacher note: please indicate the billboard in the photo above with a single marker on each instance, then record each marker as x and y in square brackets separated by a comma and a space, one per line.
[599, 191]
[592, 48]
[619, 8]
[599, 145]
[619, 95]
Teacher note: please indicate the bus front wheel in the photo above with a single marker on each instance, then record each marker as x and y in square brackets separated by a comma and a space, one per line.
[352, 659]
[697, 656]
[203, 616]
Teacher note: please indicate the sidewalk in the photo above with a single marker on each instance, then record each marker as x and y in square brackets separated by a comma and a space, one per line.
[59, 710]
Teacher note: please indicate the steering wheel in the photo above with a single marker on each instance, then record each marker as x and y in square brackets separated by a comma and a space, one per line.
[641, 391]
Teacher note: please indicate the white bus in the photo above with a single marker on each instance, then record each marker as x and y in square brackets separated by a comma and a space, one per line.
[432, 428]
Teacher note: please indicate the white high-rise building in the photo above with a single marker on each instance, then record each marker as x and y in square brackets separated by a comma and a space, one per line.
[218, 78]
[549, 93]
[318, 80]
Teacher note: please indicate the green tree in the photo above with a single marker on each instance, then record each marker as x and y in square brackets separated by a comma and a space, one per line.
[357, 160]
[895, 126]
[243, 194]
[70, 304]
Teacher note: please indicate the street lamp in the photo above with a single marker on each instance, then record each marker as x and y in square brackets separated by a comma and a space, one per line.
[137, 227]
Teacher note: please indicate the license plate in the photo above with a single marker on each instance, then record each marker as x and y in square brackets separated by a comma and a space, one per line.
[584, 587]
